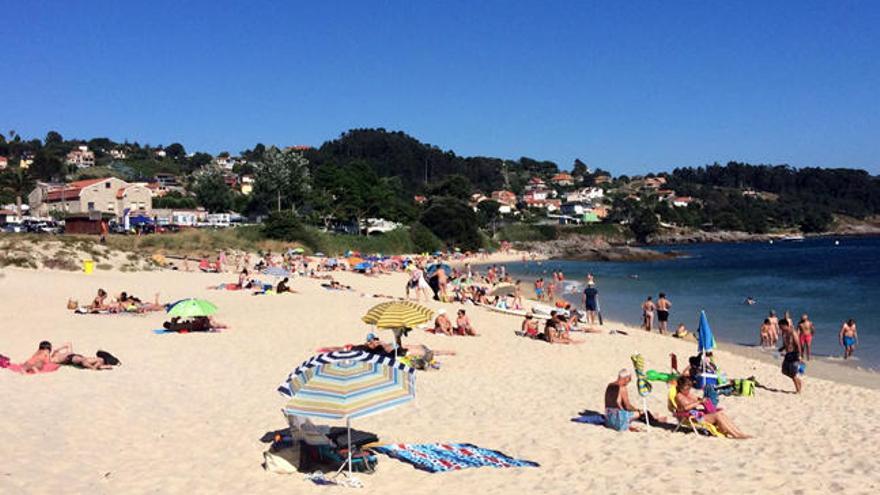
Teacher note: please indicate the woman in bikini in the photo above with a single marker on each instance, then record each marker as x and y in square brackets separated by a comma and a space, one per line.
[686, 402]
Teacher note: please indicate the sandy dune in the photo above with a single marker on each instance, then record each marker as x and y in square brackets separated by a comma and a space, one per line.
[185, 413]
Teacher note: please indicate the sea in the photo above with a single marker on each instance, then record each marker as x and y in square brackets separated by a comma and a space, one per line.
[831, 279]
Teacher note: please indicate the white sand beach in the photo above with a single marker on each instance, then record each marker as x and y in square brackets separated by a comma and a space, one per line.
[185, 413]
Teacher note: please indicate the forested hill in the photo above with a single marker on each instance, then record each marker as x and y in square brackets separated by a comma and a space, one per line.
[396, 154]
[845, 191]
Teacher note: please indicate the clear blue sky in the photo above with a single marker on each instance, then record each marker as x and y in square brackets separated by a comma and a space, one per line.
[626, 86]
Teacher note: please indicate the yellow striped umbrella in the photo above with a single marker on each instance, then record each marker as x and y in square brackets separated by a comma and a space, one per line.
[397, 314]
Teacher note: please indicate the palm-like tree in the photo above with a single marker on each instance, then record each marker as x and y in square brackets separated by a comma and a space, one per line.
[17, 182]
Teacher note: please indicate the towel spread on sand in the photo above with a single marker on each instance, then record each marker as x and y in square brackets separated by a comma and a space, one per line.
[439, 457]
[19, 368]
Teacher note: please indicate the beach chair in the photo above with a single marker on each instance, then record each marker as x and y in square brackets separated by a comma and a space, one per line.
[327, 446]
[686, 420]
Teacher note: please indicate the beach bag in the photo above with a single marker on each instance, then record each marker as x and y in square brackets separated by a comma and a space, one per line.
[282, 460]
[4, 361]
[744, 387]
[72, 304]
[108, 358]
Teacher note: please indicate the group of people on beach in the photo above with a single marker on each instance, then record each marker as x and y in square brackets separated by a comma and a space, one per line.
[46, 359]
[122, 303]
[773, 328]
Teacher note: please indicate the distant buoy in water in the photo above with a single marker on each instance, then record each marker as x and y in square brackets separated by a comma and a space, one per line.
[837, 243]
[771, 241]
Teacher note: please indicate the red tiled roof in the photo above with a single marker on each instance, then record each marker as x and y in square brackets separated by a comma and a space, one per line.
[70, 191]
[120, 193]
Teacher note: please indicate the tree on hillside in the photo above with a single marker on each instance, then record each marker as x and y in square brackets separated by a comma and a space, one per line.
[579, 168]
[453, 221]
[53, 138]
[455, 186]
[197, 161]
[281, 181]
[175, 151]
[46, 166]
[644, 224]
[212, 192]
[16, 183]
[488, 213]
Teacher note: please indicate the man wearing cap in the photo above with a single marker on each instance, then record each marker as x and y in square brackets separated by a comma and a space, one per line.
[375, 346]
[591, 301]
[619, 412]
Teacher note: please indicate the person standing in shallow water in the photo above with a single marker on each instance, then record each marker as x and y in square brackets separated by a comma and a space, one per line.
[648, 314]
[663, 306]
[849, 337]
[806, 329]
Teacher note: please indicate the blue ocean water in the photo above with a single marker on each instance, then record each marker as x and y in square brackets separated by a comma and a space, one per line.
[831, 279]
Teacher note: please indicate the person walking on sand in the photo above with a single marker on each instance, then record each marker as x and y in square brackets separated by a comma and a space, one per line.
[791, 361]
[806, 330]
[663, 306]
[849, 337]
[648, 314]
[539, 289]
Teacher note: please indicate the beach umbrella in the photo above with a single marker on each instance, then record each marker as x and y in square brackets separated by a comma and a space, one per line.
[397, 314]
[705, 339]
[642, 384]
[297, 250]
[347, 385]
[190, 308]
[276, 271]
[432, 269]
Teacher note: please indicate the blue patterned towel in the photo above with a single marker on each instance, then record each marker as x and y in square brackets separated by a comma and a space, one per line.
[439, 457]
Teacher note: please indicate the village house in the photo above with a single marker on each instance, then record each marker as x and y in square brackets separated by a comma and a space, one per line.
[118, 154]
[601, 179]
[108, 195]
[550, 205]
[654, 183]
[4, 162]
[585, 194]
[246, 184]
[507, 200]
[81, 157]
[682, 201]
[563, 179]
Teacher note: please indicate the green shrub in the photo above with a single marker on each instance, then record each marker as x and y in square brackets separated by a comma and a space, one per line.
[423, 240]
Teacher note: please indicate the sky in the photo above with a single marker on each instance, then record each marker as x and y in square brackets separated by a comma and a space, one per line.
[630, 87]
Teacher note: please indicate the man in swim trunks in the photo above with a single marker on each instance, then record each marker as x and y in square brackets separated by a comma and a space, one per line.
[663, 306]
[648, 314]
[619, 412]
[792, 346]
[849, 337]
[591, 301]
[539, 289]
[806, 331]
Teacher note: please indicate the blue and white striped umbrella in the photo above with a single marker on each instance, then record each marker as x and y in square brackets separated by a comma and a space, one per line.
[276, 271]
[347, 385]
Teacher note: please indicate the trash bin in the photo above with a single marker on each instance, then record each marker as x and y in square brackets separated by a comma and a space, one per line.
[88, 266]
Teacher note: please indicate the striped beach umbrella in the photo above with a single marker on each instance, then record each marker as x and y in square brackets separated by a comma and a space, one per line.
[397, 314]
[276, 271]
[347, 385]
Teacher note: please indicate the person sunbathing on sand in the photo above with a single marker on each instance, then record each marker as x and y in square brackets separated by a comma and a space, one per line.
[686, 403]
[99, 303]
[65, 356]
[530, 326]
[40, 359]
[126, 302]
[442, 323]
[463, 324]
